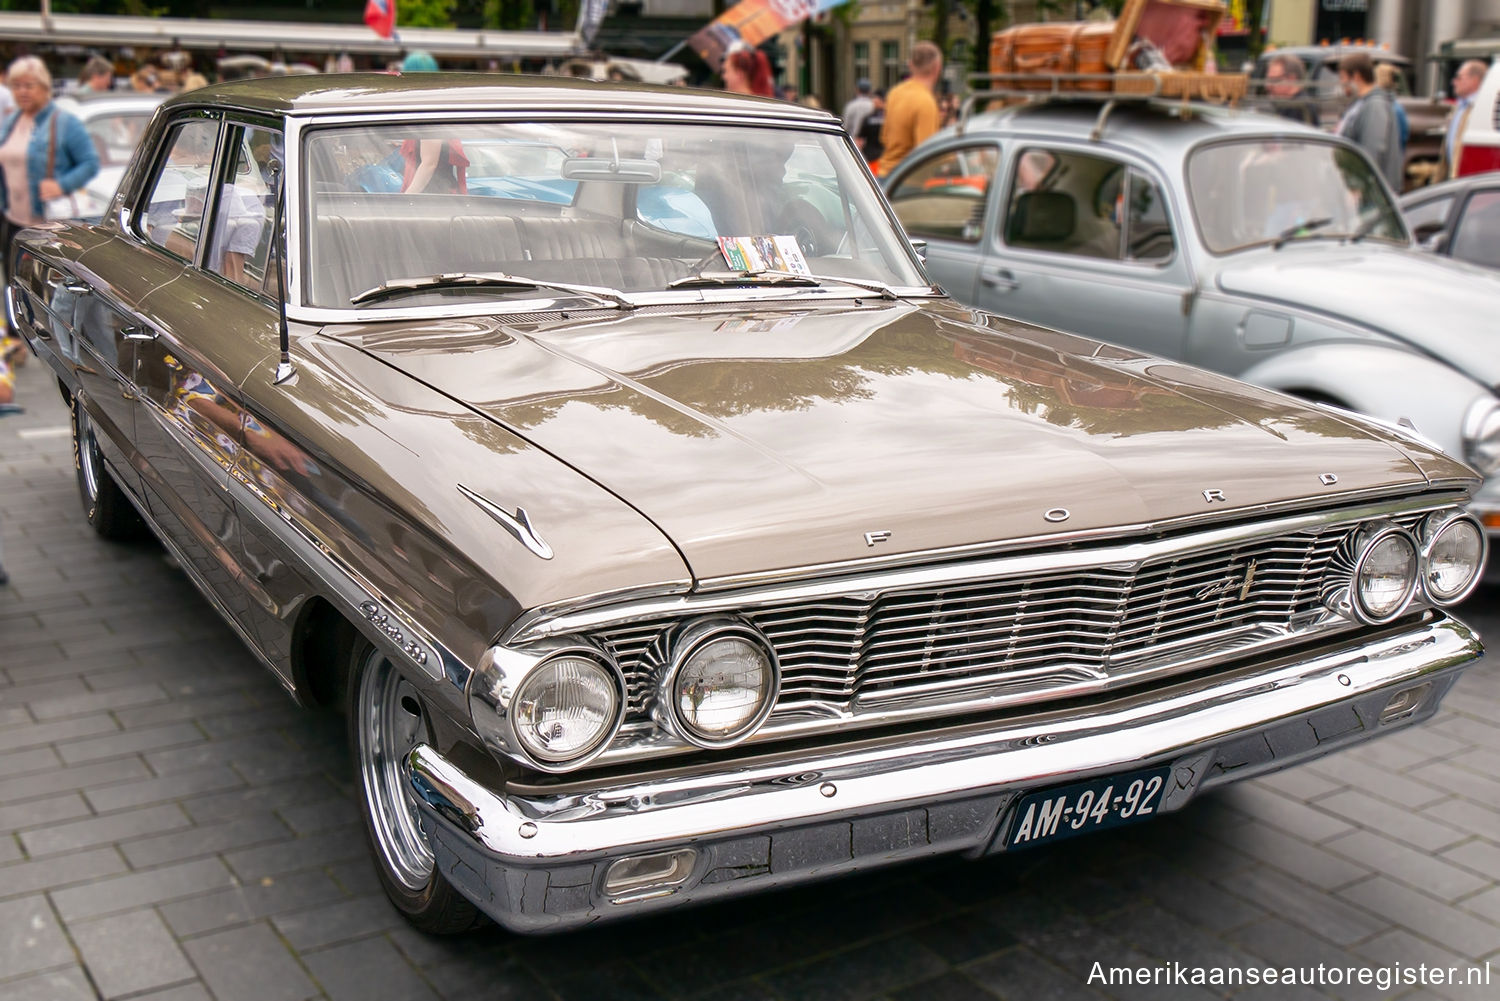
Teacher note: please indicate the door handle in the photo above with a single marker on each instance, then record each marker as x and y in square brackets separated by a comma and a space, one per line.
[999, 279]
[76, 285]
[138, 332]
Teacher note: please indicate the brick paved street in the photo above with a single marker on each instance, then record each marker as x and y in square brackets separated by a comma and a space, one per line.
[171, 827]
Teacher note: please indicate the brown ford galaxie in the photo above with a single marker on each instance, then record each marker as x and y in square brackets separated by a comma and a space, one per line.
[607, 456]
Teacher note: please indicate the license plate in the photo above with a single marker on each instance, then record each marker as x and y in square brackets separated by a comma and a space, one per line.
[1054, 814]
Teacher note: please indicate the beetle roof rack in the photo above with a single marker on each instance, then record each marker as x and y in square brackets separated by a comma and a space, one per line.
[1067, 88]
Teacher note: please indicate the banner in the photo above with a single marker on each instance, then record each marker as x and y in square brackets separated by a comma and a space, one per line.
[752, 22]
[590, 17]
[380, 15]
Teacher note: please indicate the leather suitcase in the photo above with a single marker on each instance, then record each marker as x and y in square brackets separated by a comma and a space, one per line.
[1050, 49]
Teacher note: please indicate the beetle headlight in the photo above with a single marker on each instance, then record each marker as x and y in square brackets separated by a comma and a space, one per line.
[720, 685]
[1385, 573]
[1453, 547]
[554, 710]
[1482, 435]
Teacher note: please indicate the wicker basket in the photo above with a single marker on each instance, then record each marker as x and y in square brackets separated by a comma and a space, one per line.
[1212, 88]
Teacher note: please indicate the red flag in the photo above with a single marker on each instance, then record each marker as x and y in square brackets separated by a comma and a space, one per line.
[380, 15]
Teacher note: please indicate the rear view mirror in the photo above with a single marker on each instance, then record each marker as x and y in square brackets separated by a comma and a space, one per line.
[598, 168]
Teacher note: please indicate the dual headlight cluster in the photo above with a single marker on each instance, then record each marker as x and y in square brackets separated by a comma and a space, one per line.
[559, 708]
[1443, 559]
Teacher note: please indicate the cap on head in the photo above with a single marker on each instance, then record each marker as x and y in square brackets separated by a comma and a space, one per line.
[419, 62]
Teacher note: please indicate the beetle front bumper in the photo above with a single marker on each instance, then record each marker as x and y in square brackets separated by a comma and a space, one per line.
[538, 861]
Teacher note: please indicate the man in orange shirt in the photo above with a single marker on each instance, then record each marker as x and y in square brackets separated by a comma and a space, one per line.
[911, 110]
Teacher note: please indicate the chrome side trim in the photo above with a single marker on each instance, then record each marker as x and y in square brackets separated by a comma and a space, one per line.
[518, 524]
[942, 567]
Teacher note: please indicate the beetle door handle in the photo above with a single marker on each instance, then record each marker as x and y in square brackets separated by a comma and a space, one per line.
[138, 332]
[999, 279]
[76, 285]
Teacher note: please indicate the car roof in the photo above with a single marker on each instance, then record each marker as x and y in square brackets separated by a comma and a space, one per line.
[372, 93]
[1326, 52]
[1457, 186]
[1160, 124]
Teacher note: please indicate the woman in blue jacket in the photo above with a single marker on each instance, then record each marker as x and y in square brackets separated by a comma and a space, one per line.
[36, 134]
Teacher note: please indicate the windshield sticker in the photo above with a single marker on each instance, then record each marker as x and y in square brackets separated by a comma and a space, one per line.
[764, 253]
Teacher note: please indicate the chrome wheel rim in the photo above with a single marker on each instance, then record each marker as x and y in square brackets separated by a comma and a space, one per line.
[88, 455]
[390, 724]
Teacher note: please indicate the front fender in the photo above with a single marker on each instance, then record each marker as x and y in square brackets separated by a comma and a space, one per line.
[1383, 380]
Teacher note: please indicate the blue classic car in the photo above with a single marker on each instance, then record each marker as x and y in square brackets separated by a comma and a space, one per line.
[1239, 242]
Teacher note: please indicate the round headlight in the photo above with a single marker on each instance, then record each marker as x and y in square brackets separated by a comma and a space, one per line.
[1452, 556]
[1385, 576]
[722, 684]
[566, 707]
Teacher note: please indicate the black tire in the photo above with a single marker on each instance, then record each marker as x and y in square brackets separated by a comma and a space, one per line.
[382, 727]
[107, 507]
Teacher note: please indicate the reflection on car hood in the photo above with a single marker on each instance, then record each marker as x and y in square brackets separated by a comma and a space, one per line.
[779, 438]
[1440, 306]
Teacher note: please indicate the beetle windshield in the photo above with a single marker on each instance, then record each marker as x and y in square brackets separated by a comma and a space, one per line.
[629, 207]
[1271, 191]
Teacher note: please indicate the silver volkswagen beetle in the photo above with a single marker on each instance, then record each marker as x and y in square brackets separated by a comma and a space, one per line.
[1239, 242]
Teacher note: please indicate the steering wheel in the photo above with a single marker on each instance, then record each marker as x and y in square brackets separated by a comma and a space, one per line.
[801, 219]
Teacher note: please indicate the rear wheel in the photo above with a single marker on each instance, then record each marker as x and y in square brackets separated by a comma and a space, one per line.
[106, 506]
[386, 720]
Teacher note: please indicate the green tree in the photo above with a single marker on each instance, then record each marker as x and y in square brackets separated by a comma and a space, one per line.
[424, 13]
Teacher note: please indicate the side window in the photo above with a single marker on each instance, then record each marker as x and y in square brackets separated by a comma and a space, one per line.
[173, 218]
[1149, 229]
[240, 246]
[1066, 203]
[1428, 219]
[944, 198]
[1474, 240]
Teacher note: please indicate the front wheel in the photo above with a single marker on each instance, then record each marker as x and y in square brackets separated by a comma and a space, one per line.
[106, 506]
[386, 720]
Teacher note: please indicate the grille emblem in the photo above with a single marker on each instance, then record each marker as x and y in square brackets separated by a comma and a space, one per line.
[1228, 584]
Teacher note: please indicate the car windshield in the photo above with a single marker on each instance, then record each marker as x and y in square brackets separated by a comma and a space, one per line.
[1261, 191]
[631, 208]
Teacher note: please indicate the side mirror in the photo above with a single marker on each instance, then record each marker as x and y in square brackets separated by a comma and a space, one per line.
[920, 246]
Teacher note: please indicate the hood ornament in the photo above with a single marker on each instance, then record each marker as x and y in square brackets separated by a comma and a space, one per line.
[518, 524]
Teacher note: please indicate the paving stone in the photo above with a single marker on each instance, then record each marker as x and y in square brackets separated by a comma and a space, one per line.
[241, 904]
[1303, 905]
[35, 812]
[1291, 855]
[1417, 869]
[128, 892]
[336, 922]
[187, 992]
[94, 702]
[61, 871]
[1023, 975]
[251, 829]
[1478, 855]
[183, 708]
[130, 953]
[35, 734]
[949, 987]
[174, 787]
[1287, 814]
[104, 830]
[30, 938]
[309, 818]
[62, 779]
[60, 985]
[1405, 948]
[226, 806]
[1425, 916]
[34, 760]
[130, 742]
[860, 972]
[312, 852]
[369, 970]
[1392, 821]
[249, 964]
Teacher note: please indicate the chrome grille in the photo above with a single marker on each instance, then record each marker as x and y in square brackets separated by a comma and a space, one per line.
[1018, 634]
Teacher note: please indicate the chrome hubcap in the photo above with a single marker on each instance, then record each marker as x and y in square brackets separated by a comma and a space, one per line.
[390, 725]
[88, 455]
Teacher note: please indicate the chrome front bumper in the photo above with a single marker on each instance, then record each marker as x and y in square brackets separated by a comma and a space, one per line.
[537, 862]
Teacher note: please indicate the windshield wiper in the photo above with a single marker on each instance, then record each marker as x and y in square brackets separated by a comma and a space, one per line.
[772, 276]
[481, 279]
[1298, 230]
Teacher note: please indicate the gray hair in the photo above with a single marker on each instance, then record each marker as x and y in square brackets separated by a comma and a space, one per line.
[1290, 65]
[33, 67]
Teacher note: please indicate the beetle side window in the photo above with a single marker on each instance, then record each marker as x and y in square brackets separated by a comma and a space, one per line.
[1067, 203]
[174, 209]
[945, 197]
[1474, 239]
[1428, 219]
[240, 245]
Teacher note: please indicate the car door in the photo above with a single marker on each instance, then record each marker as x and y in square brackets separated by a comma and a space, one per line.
[1475, 233]
[1087, 242]
[188, 423]
[944, 198]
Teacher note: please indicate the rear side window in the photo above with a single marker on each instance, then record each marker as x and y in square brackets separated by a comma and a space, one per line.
[173, 217]
[1477, 238]
[240, 246]
[1087, 206]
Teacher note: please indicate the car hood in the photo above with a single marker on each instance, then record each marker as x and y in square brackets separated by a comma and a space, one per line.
[791, 438]
[1438, 305]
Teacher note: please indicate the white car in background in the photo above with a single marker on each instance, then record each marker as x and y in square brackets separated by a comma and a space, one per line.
[115, 122]
[1479, 151]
